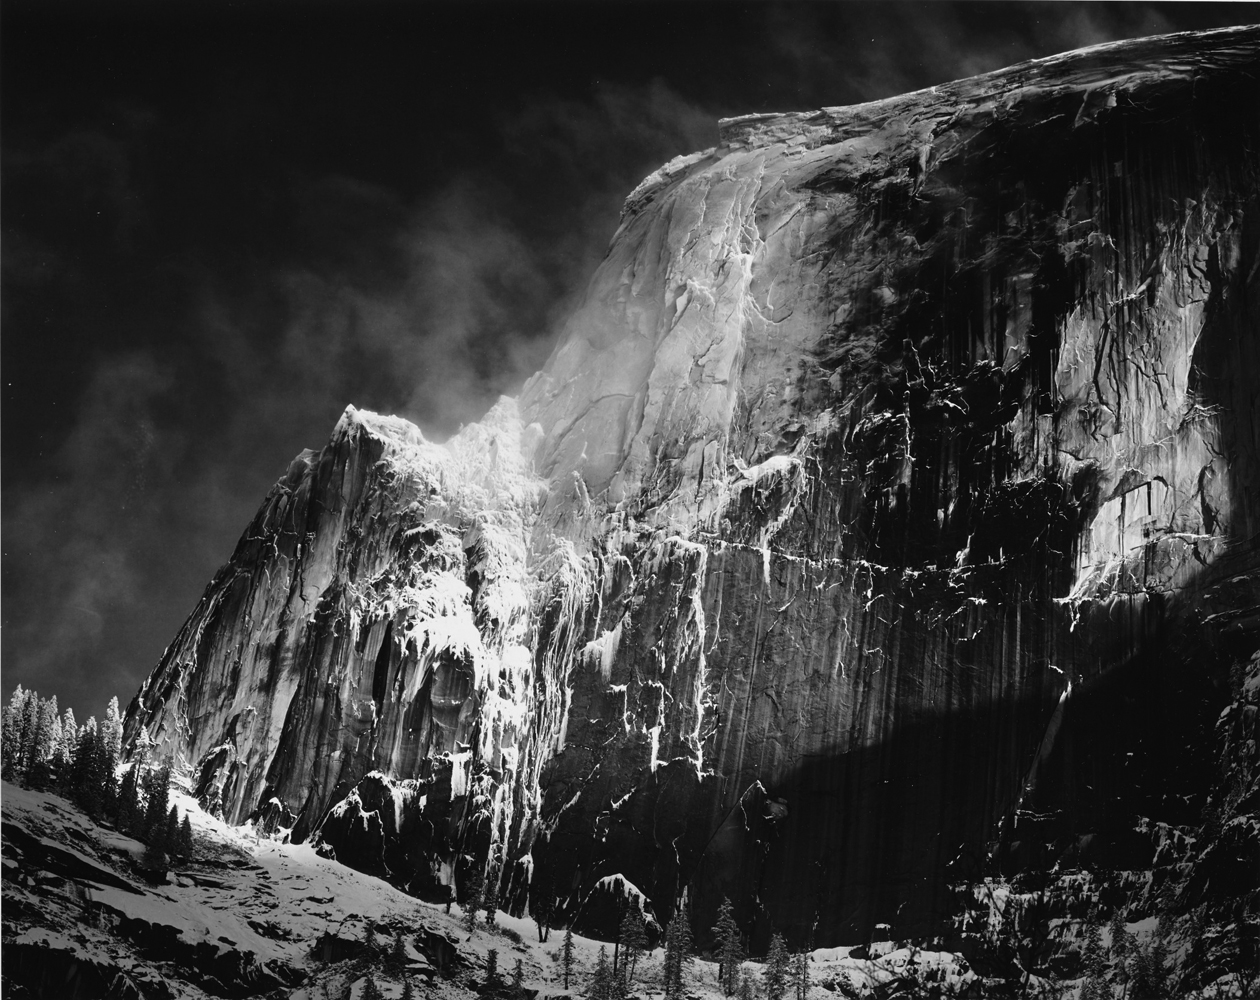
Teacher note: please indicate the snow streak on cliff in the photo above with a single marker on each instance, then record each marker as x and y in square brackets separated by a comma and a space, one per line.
[892, 448]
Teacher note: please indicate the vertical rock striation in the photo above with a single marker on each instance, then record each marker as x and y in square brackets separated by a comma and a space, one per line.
[888, 511]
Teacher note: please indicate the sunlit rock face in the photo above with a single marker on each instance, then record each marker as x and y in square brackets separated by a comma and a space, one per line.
[887, 513]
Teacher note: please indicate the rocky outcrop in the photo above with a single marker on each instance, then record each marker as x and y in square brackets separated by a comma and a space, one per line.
[888, 512]
[86, 916]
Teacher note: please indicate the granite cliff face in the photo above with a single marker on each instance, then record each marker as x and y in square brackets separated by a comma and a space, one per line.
[886, 516]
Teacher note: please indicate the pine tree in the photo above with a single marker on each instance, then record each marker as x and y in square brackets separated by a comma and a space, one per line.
[30, 726]
[11, 747]
[154, 858]
[518, 975]
[369, 937]
[730, 949]
[491, 901]
[69, 741]
[87, 780]
[1121, 946]
[601, 978]
[83, 765]
[801, 974]
[492, 966]
[475, 888]
[1095, 986]
[677, 954]
[113, 729]
[398, 953]
[127, 812]
[185, 838]
[370, 990]
[54, 752]
[1150, 976]
[157, 786]
[777, 969]
[541, 909]
[408, 992]
[105, 775]
[157, 795]
[633, 941]
[8, 742]
[49, 724]
[567, 955]
[39, 765]
[142, 747]
[170, 838]
[669, 966]
[747, 990]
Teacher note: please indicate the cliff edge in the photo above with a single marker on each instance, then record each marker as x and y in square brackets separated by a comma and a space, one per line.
[886, 518]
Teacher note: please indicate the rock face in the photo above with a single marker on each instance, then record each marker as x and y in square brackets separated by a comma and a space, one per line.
[888, 513]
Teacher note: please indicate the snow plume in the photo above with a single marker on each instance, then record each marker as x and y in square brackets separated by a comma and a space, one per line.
[940, 42]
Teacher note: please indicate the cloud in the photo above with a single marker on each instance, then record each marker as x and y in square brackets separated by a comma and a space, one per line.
[71, 536]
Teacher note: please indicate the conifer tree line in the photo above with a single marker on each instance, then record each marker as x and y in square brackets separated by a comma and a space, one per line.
[43, 749]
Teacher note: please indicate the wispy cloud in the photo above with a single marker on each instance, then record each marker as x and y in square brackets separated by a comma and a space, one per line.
[429, 307]
[847, 53]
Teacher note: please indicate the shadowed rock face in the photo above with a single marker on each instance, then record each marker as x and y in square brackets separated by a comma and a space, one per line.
[887, 512]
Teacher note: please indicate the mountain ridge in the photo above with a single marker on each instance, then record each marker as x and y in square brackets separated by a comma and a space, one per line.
[869, 462]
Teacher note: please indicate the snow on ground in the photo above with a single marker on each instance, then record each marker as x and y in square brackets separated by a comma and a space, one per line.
[272, 902]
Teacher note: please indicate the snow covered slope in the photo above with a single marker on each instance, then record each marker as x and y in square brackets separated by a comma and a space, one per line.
[250, 916]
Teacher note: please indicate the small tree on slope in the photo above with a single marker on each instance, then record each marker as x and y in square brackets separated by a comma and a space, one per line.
[112, 728]
[127, 813]
[1095, 986]
[490, 898]
[777, 971]
[91, 768]
[800, 974]
[729, 947]
[29, 725]
[11, 744]
[475, 888]
[566, 955]
[64, 757]
[677, 954]
[541, 908]
[633, 941]
[601, 978]
[157, 787]
[170, 837]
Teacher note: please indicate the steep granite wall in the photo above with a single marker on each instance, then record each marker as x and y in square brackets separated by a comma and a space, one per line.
[884, 515]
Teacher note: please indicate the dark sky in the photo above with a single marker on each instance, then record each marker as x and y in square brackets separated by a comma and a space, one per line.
[222, 222]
